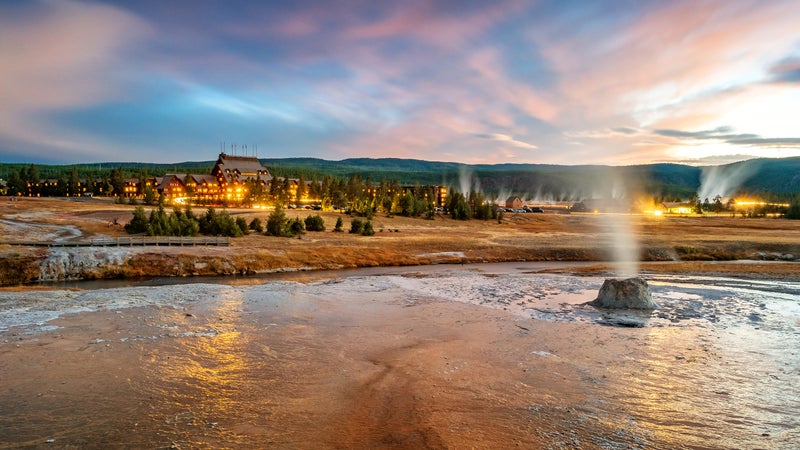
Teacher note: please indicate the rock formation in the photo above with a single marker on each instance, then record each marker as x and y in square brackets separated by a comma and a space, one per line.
[632, 293]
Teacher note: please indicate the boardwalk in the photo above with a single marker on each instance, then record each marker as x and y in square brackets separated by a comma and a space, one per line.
[130, 241]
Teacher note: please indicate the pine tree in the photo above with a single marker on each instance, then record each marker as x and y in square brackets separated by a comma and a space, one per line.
[138, 223]
[276, 223]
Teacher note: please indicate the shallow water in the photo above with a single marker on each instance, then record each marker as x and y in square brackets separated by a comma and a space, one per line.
[717, 366]
[744, 386]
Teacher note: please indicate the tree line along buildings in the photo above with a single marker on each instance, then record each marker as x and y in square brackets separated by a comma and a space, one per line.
[231, 182]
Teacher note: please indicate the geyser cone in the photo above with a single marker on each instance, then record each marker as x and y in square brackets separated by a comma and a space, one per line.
[631, 293]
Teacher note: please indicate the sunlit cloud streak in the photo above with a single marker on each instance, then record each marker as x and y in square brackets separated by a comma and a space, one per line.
[508, 81]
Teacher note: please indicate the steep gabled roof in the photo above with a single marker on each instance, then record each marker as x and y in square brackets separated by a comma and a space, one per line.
[167, 179]
[209, 179]
[235, 168]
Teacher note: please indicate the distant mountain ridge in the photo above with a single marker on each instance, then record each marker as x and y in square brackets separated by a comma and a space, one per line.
[757, 176]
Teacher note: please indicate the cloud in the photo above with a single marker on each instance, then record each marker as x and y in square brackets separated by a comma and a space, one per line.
[721, 133]
[787, 71]
[506, 139]
[605, 133]
[715, 160]
[645, 63]
[61, 56]
[626, 130]
[724, 134]
[584, 81]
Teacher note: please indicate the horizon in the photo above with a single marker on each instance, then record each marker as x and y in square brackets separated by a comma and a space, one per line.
[559, 83]
[211, 162]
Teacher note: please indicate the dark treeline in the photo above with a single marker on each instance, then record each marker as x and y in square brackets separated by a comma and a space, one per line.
[661, 181]
[32, 180]
[365, 186]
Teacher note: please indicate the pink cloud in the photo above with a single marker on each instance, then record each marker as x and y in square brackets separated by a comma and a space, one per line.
[421, 20]
[677, 50]
[64, 56]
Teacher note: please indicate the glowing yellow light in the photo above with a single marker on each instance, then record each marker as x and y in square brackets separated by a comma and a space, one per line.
[658, 213]
[760, 203]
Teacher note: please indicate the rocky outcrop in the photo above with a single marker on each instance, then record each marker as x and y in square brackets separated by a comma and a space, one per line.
[19, 269]
[63, 263]
[632, 293]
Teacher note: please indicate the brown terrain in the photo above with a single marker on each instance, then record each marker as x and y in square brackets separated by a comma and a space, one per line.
[318, 366]
[715, 244]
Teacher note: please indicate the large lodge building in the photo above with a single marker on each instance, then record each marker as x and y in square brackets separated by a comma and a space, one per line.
[227, 184]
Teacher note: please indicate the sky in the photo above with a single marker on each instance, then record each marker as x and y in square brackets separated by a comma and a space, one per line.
[612, 82]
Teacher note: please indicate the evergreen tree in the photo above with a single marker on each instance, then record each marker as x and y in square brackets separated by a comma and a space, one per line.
[256, 225]
[276, 222]
[295, 227]
[138, 223]
[407, 204]
[458, 207]
[158, 225]
[793, 212]
[32, 181]
[74, 184]
[225, 225]
[208, 222]
[356, 226]
[16, 186]
[368, 230]
[315, 223]
[339, 228]
[301, 190]
[242, 224]
[149, 195]
[117, 182]
[188, 225]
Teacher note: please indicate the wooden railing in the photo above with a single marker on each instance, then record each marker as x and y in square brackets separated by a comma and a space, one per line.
[131, 241]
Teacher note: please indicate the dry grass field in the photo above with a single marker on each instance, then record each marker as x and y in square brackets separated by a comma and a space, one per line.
[764, 247]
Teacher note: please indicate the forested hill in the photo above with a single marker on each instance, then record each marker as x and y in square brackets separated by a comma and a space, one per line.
[772, 176]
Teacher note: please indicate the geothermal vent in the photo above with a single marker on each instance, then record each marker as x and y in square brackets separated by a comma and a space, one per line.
[632, 293]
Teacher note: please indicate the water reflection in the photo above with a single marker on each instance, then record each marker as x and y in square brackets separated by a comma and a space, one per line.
[720, 387]
[206, 381]
[266, 365]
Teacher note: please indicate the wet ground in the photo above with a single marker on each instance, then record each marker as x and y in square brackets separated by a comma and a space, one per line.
[486, 356]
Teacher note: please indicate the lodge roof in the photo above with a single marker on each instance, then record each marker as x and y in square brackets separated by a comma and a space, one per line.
[210, 179]
[167, 179]
[234, 168]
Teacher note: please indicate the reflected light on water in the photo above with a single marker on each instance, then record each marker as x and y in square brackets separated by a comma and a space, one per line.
[707, 389]
[662, 397]
[209, 380]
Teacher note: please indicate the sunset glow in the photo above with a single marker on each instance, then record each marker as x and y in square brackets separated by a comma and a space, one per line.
[485, 82]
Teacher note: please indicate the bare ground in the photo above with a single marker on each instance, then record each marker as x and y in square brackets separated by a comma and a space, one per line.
[361, 372]
[679, 244]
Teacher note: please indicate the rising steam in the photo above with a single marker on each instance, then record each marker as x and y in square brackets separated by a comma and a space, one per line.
[724, 180]
[467, 181]
[624, 245]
